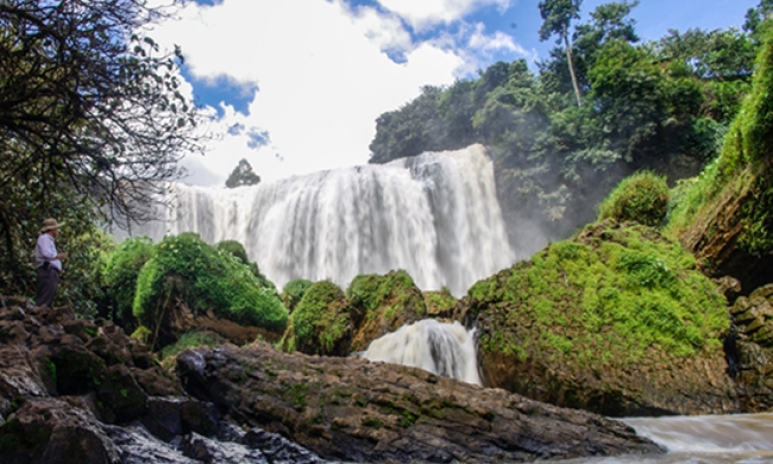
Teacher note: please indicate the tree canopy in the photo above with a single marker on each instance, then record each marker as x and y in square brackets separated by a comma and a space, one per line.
[652, 105]
[242, 175]
[91, 119]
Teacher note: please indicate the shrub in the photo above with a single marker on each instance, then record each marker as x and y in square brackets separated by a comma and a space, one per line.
[211, 280]
[293, 291]
[120, 278]
[316, 326]
[237, 250]
[642, 197]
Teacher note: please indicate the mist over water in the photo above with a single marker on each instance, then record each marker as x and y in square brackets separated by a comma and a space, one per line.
[435, 215]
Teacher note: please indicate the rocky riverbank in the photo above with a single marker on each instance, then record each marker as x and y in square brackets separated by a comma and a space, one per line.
[74, 391]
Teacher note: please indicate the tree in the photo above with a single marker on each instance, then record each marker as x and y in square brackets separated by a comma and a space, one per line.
[242, 175]
[557, 16]
[91, 119]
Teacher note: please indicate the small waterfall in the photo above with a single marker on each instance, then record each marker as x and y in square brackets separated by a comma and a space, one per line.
[446, 349]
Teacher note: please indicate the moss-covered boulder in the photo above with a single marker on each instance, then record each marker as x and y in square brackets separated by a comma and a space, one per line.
[723, 215]
[617, 320]
[328, 321]
[120, 278]
[293, 291]
[321, 322]
[187, 278]
[642, 197]
[383, 304]
[440, 303]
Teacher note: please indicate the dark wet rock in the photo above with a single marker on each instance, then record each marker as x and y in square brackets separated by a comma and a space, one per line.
[122, 399]
[208, 451]
[753, 319]
[350, 409]
[52, 431]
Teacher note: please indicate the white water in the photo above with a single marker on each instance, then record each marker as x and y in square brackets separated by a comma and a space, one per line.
[729, 439]
[435, 215]
[446, 349]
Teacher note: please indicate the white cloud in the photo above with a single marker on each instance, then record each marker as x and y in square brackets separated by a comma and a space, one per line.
[322, 73]
[497, 42]
[422, 14]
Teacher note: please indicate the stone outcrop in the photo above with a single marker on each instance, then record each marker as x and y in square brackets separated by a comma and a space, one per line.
[617, 321]
[352, 410]
[752, 363]
[67, 383]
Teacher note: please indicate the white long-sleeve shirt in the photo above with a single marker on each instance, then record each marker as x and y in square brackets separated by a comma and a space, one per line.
[45, 250]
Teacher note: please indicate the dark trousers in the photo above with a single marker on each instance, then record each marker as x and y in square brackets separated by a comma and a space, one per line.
[47, 282]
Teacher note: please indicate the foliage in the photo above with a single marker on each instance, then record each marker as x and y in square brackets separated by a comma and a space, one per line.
[210, 280]
[316, 325]
[742, 168]
[120, 278]
[186, 341]
[647, 106]
[642, 197]
[90, 118]
[395, 295]
[293, 292]
[242, 175]
[605, 298]
[439, 301]
[236, 249]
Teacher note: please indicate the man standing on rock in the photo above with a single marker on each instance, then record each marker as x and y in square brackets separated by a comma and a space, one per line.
[48, 263]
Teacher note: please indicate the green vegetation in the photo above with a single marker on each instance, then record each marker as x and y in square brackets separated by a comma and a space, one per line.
[293, 291]
[205, 279]
[321, 323]
[395, 294]
[439, 301]
[237, 250]
[740, 178]
[120, 278]
[602, 104]
[604, 298]
[642, 197]
[186, 341]
[92, 123]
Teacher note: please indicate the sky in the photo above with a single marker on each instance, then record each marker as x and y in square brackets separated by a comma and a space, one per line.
[296, 86]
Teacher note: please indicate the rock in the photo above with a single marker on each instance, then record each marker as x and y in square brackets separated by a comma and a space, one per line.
[352, 410]
[51, 431]
[606, 322]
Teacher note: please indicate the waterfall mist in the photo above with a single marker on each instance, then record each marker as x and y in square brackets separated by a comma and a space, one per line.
[435, 215]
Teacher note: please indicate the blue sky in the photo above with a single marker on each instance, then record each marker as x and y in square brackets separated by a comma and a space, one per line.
[295, 86]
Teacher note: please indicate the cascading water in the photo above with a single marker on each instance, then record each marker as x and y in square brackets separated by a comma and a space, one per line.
[435, 215]
[446, 349]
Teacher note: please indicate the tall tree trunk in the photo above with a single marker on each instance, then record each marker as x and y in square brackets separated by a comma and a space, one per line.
[571, 67]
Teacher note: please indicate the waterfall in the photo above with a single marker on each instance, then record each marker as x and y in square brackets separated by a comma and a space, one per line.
[434, 215]
[446, 349]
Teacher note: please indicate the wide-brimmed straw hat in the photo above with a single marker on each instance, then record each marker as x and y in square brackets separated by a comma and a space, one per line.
[50, 224]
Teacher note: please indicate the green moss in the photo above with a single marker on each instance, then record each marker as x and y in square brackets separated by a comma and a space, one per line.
[642, 197]
[439, 302]
[120, 277]
[371, 422]
[184, 267]
[315, 326]
[293, 291]
[741, 173]
[186, 341]
[613, 289]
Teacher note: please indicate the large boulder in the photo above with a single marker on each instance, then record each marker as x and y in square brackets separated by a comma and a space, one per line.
[328, 321]
[351, 410]
[617, 321]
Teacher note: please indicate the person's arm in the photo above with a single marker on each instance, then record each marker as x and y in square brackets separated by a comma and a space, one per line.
[48, 249]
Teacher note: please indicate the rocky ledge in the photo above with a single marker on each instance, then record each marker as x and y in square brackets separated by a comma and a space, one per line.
[75, 391]
[353, 410]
